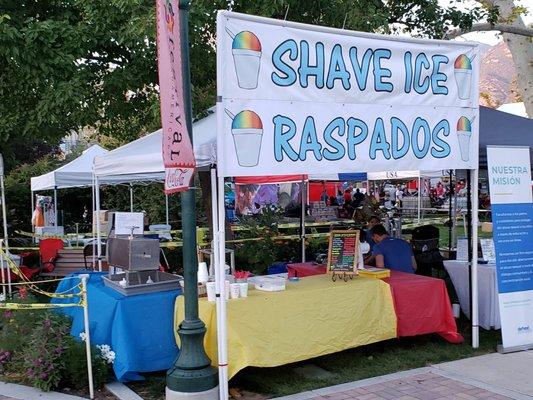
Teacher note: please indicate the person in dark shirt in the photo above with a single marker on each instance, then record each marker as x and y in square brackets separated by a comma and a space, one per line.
[358, 198]
[372, 221]
[392, 253]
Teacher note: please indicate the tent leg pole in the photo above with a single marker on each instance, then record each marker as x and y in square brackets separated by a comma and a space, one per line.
[31, 214]
[474, 272]
[131, 197]
[55, 206]
[93, 215]
[98, 229]
[450, 216]
[419, 198]
[222, 329]
[166, 209]
[303, 195]
[5, 263]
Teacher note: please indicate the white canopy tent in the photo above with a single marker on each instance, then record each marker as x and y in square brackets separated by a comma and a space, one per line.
[77, 173]
[142, 160]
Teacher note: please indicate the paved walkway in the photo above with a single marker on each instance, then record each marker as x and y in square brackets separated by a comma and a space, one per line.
[493, 376]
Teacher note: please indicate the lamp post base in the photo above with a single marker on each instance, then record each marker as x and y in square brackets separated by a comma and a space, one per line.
[211, 394]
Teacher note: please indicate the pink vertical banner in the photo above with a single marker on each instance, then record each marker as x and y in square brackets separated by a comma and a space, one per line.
[178, 154]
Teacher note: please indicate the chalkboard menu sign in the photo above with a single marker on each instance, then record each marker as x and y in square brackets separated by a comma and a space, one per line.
[343, 252]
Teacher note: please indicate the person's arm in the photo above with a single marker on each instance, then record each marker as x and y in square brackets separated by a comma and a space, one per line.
[413, 261]
[380, 261]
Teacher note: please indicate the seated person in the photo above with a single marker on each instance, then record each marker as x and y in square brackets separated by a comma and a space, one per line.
[393, 253]
[367, 235]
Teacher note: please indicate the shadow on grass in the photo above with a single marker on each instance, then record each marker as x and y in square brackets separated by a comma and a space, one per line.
[349, 365]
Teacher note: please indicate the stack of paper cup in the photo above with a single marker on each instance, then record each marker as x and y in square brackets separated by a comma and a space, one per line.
[203, 275]
[226, 289]
[211, 291]
[243, 289]
[235, 290]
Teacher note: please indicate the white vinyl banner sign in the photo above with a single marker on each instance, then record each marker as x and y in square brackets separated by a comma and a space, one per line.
[297, 98]
[512, 217]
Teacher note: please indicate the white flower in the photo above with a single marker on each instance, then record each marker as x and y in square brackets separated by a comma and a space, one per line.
[83, 336]
[2, 297]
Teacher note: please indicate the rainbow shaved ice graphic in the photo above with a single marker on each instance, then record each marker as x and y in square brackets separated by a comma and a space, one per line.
[247, 130]
[463, 75]
[246, 49]
[464, 133]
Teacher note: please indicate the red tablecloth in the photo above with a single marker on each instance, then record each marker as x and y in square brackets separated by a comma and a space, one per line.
[422, 306]
[301, 270]
[421, 303]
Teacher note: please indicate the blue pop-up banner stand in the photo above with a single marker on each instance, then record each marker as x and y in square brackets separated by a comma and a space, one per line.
[512, 218]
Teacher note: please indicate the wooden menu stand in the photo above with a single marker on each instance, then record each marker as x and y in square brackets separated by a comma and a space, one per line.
[343, 252]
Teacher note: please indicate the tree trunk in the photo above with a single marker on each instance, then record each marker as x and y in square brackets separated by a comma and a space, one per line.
[521, 48]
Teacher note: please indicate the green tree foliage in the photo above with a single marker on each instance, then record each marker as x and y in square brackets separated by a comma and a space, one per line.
[68, 64]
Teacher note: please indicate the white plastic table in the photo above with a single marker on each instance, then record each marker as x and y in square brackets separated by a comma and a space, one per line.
[489, 313]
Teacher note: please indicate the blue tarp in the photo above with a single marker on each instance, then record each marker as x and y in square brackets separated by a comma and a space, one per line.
[139, 329]
[356, 176]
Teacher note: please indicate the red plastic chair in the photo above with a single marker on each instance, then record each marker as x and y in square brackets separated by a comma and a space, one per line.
[49, 249]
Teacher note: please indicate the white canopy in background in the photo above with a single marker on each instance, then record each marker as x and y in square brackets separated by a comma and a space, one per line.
[142, 161]
[380, 176]
[77, 173]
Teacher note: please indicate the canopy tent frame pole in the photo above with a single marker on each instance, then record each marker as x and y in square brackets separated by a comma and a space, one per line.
[98, 230]
[5, 241]
[55, 206]
[131, 197]
[167, 219]
[94, 215]
[474, 271]
[222, 328]
[32, 193]
[419, 197]
[303, 195]
[450, 215]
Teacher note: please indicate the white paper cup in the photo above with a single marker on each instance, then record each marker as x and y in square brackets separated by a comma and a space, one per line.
[247, 64]
[211, 292]
[456, 310]
[203, 275]
[226, 289]
[243, 289]
[464, 144]
[235, 290]
[247, 145]
[463, 79]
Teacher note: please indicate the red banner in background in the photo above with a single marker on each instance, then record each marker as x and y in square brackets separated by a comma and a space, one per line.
[178, 155]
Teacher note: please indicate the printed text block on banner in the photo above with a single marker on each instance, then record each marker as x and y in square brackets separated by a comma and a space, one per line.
[303, 99]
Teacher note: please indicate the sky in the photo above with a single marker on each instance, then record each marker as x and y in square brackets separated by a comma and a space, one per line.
[490, 38]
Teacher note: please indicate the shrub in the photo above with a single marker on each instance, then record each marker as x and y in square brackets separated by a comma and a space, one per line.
[75, 362]
[41, 356]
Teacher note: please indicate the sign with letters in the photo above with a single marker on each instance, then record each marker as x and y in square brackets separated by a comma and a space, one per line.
[343, 252]
[512, 219]
[302, 99]
[178, 155]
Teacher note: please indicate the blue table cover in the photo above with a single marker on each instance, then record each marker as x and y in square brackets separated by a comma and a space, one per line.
[139, 329]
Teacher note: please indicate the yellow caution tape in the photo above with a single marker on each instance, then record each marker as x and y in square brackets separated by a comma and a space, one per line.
[37, 306]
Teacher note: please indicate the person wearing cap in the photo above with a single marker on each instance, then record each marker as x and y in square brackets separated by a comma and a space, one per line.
[392, 253]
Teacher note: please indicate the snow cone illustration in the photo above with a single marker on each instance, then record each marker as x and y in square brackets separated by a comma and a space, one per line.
[247, 130]
[463, 75]
[246, 49]
[464, 133]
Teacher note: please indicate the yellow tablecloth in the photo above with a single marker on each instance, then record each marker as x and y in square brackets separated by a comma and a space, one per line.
[313, 317]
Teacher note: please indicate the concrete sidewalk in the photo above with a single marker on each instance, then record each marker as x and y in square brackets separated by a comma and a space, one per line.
[493, 376]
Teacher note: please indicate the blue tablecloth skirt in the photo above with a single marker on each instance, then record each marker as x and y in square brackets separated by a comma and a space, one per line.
[139, 329]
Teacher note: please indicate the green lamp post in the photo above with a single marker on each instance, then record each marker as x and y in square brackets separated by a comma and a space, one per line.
[192, 375]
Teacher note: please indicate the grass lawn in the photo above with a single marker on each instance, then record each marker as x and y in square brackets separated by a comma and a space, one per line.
[359, 363]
